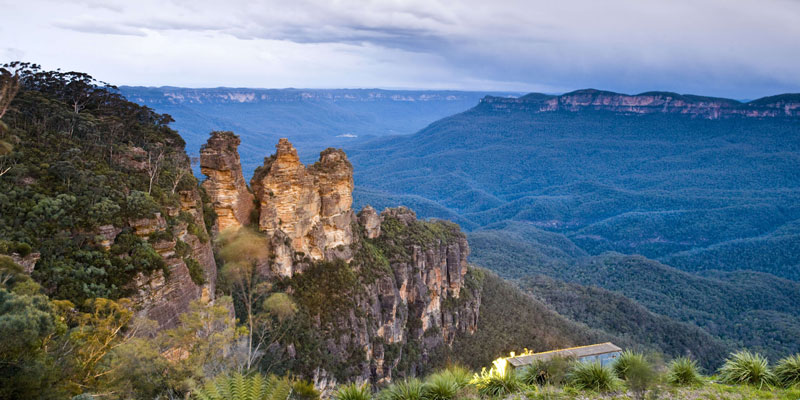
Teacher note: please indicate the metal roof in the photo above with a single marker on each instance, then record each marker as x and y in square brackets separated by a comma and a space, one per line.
[572, 352]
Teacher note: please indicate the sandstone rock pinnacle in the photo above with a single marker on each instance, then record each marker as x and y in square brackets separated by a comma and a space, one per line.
[310, 204]
[219, 161]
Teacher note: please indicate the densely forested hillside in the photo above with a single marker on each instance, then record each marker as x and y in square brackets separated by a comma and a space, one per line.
[83, 158]
[718, 302]
[666, 186]
[550, 193]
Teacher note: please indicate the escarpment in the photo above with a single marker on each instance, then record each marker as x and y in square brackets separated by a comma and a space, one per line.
[181, 239]
[381, 296]
[226, 186]
[781, 106]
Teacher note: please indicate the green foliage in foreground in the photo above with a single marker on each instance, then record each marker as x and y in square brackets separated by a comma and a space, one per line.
[594, 376]
[787, 372]
[410, 389]
[547, 372]
[749, 368]
[353, 392]
[627, 360]
[240, 387]
[683, 371]
[497, 383]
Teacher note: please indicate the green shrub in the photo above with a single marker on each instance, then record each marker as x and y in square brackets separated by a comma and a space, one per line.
[640, 376]
[546, 372]
[787, 372]
[410, 389]
[497, 382]
[441, 386]
[625, 361]
[195, 271]
[304, 390]
[240, 387]
[683, 371]
[593, 376]
[353, 392]
[748, 368]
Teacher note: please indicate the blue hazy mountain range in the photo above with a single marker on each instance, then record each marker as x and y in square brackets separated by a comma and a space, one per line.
[313, 119]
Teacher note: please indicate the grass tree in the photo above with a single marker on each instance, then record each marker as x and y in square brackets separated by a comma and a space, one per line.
[787, 372]
[593, 376]
[683, 371]
[745, 367]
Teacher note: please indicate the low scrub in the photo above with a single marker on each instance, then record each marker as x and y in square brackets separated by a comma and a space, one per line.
[625, 361]
[787, 372]
[547, 372]
[683, 371]
[497, 383]
[593, 376]
[411, 389]
[241, 387]
[745, 367]
[353, 392]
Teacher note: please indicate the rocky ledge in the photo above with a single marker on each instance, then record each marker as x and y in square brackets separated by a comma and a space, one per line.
[781, 106]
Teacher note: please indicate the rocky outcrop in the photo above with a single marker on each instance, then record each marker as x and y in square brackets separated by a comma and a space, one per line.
[383, 294]
[161, 298]
[27, 262]
[370, 221]
[407, 312]
[225, 184]
[311, 205]
[782, 106]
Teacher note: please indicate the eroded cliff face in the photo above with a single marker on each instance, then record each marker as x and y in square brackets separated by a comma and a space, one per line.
[412, 293]
[381, 295]
[187, 252]
[310, 205]
[164, 299]
[219, 162]
[782, 106]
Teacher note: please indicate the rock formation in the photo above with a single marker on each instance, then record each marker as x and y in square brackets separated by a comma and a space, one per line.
[408, 313]
[164, 299]
[310, 205]
[407, 289]
[219, 161]
[781, 106]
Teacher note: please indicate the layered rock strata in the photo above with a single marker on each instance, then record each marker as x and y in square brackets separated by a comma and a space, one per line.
[310, 205]
[219, 161]
[781, 106]
[384, 293]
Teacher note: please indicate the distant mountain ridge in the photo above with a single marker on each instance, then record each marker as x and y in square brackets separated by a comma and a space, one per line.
[178, 95]
[313, 119]
[783, 105]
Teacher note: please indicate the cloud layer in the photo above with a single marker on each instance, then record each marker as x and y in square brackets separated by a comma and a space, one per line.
[741, 49]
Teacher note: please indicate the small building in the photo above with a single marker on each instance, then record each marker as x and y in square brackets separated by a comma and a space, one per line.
[606, 353]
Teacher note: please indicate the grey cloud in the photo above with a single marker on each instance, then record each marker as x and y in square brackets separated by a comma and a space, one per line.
[100, 28]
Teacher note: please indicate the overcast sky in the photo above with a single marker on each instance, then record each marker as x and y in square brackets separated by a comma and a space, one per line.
[732, 48]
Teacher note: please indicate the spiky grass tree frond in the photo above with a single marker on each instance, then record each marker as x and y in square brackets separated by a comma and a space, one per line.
[353, 392]
[237, 386]
[626, 360]
[535, 373]
[441, 386]
[461, 375]
[745, 367]
[787, 372]
[683, 371]
[550, 372]
[593, 376]
[410, 389]
[497, 382]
